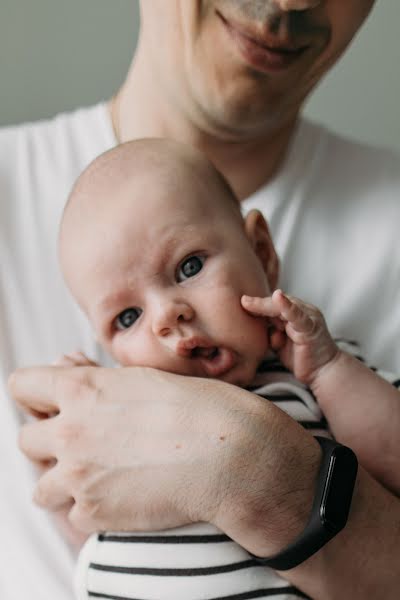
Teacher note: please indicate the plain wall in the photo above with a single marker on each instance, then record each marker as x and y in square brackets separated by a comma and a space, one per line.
[57, 54]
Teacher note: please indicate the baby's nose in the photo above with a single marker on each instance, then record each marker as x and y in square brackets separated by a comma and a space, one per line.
[170, 315]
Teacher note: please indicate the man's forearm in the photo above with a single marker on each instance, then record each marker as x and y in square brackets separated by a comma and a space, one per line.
[363, 560]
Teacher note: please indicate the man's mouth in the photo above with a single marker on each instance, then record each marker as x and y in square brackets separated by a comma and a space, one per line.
[265, 52]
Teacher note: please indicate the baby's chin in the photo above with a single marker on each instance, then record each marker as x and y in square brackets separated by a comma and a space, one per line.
[242, 375]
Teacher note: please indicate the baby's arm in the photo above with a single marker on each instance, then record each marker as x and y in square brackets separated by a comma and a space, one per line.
[362, 409]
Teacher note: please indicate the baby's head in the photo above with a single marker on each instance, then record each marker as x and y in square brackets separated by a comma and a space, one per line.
[155, 250]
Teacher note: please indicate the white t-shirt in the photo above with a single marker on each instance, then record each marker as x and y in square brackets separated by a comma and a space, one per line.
[333, 210]
[38, 322]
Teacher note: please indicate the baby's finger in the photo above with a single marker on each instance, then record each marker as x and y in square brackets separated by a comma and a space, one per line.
[295, 312]
[64, 361]
[264, 307]
[277, 323]
[75, 359]
[277, 340]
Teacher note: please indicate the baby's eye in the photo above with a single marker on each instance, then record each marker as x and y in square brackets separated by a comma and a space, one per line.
[127, 318]
[190, 267]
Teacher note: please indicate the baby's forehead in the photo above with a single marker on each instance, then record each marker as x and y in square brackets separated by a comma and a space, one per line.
[148, 180]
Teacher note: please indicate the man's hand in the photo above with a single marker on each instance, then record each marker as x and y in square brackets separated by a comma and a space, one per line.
[140, 449]
[74, 537]
[299, 334]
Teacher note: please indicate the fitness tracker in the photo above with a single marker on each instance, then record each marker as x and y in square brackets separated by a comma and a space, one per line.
[330, 509]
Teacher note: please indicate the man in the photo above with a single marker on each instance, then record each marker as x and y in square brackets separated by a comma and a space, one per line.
[229, 77]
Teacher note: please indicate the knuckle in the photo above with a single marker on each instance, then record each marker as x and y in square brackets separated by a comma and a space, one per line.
[315, 326]
[319, 315]
[77, 518]
[67, 433]
[76, 383]
[308, 321]
[83, 515]
[41, 495]
[78, 471]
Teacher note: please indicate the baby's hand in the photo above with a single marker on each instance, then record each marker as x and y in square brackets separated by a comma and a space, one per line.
[299, 334]
[75, 359]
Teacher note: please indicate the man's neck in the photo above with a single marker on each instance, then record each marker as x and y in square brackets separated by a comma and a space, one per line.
[139, 111]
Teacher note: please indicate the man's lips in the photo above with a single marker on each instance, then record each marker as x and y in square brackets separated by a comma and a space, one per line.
[265, 52]
[215, 361]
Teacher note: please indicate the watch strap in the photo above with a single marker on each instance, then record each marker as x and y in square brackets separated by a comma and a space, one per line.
[318, 530]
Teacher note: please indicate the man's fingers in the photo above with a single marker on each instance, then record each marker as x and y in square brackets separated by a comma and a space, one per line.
[36, 440]
[81, 519]
[50, 492]
[34, 389]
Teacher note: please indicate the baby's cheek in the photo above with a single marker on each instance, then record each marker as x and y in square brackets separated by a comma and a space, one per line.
[261, 334]
[248, 332]
[128, 352]
[140, 351]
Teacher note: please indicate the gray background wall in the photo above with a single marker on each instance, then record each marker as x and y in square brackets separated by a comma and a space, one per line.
[58, 54]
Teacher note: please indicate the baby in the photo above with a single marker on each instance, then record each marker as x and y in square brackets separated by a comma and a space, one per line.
[154, 248]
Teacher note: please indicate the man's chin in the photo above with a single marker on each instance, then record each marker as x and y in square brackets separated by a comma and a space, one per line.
[233, 122]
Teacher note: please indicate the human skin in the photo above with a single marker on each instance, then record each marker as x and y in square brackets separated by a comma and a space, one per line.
[153, 208]
[146, 107]
[146, 310]
[184, 93]
[304, 345]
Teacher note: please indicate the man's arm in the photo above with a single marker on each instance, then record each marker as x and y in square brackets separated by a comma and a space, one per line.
[186, 450]
[363, 560]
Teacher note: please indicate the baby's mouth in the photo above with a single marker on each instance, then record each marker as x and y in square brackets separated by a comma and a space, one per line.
[208, 353]
[214, 361]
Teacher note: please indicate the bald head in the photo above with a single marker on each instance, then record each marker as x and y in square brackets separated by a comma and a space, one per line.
[166, 159]
[131, 182]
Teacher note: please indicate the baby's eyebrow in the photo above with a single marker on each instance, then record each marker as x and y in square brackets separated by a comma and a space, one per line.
[110, 303]
[167, 246]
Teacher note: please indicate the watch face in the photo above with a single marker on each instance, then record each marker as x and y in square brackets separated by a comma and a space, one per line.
[339, 487]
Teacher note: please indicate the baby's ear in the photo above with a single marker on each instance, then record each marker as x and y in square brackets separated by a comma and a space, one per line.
[258, 234]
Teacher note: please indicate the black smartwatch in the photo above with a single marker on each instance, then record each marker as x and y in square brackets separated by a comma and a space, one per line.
[331, 506]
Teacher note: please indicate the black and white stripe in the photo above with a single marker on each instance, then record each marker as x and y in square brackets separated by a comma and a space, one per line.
[193, 562]
[199, 562]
